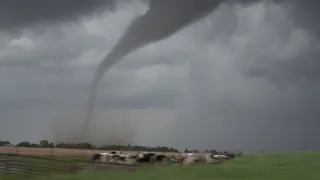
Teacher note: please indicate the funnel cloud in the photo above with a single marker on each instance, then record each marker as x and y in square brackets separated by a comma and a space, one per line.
[244, 77]
[162, 19]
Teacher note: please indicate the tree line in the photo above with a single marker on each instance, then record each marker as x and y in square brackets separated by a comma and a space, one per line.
[48, 144]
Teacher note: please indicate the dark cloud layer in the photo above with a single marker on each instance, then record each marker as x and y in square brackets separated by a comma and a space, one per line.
[305, 14]
[283, 58]
[16, 15]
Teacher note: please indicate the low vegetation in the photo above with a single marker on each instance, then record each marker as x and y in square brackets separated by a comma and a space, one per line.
[27, 167]
[262, 166]
[286, 166]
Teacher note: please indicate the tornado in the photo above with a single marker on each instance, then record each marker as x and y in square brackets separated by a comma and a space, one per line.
[162, 19]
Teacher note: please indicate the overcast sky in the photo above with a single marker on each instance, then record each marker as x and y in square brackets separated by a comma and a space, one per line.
[243, 78]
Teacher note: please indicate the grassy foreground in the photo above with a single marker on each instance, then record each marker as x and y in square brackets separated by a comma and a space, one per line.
[43, 164]
[289, 166]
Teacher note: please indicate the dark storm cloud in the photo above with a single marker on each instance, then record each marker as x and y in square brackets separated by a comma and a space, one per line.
[15, 15]
[299, 67]
[244, 78]
[268, 97]
[305, 14]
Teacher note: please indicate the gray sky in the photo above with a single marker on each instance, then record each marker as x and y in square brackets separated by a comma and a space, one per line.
[244, 78]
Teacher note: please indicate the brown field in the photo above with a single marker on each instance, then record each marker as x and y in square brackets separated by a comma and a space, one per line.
[56, 151]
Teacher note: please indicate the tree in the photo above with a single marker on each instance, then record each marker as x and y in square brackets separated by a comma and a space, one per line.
[4, 143]
[129, 147]
[34, 145]
[75, 146]
[51, 145]
[44, 143]
[213, 151]
[24, 144]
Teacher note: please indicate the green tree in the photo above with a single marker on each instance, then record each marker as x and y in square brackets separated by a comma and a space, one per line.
[51, 145]
[213, 151]
[206, 151]
[24, 144]
[4, 143]
[115, 147]
[34, 145]
[44, 143]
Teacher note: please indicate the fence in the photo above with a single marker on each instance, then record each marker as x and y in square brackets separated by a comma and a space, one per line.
[28, 165]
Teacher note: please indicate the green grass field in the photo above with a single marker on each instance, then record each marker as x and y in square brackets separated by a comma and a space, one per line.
[286, 166]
